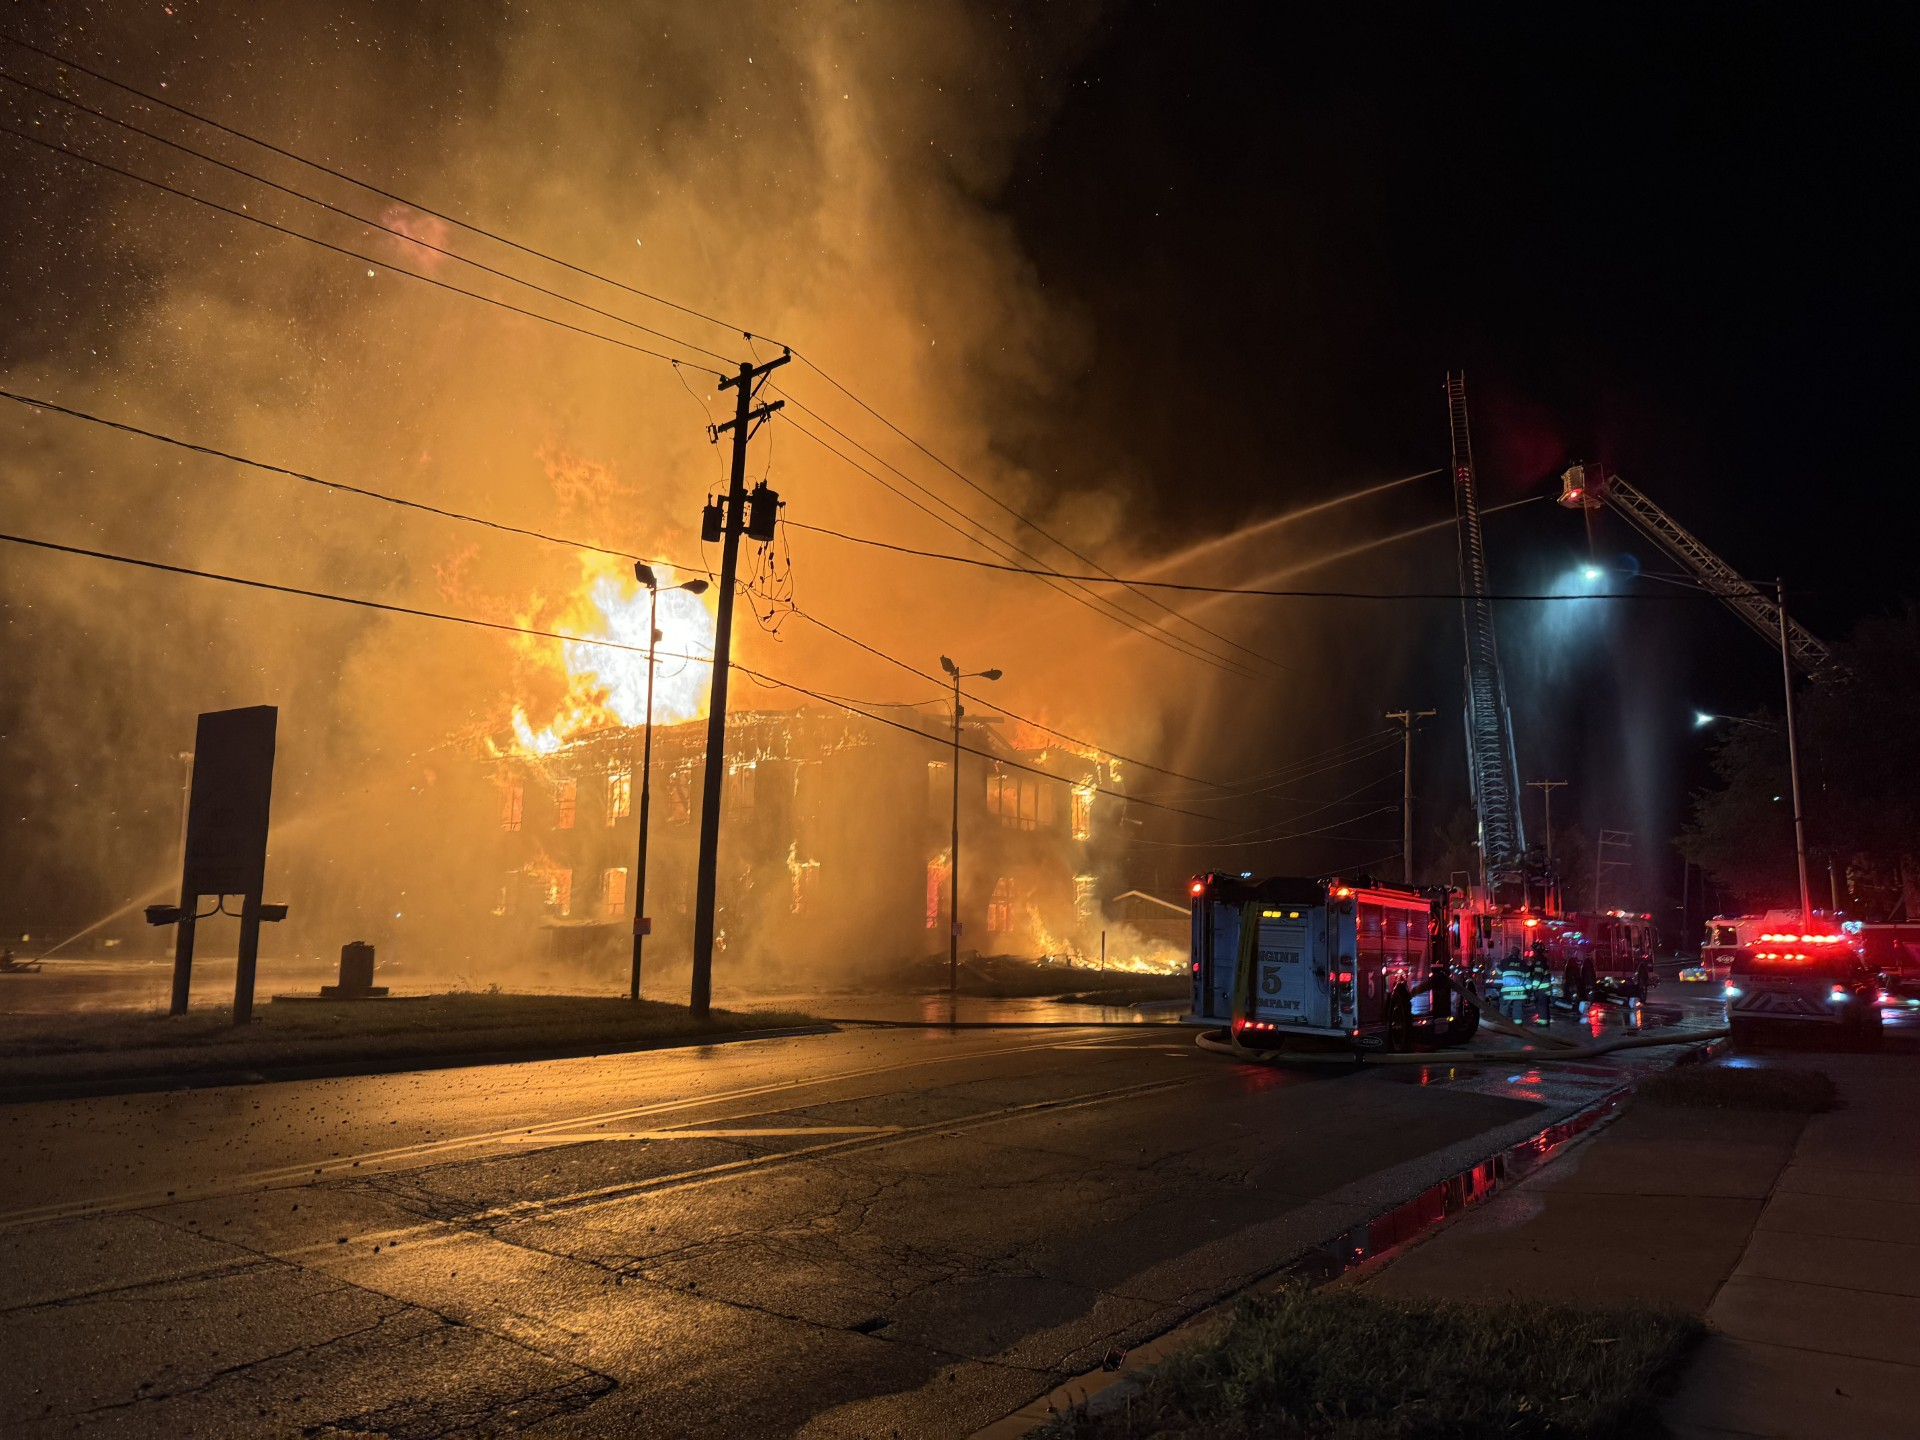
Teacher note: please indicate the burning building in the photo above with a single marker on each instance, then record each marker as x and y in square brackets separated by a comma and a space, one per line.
[834, 841]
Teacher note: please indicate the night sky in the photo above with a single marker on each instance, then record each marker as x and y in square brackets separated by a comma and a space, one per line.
[1674, 243]
[1671, 241]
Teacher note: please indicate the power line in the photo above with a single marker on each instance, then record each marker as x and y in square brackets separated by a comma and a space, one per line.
[993, 705]
[1341, 763]
[995, 499]
[1132, 616]
[361, 219]
[38, 403]
[1078, 594]
[1269, 840]
[1256, 591]
[386, 265]
[298, 159]
[33, 402]
[392, 608]
[1366, 745]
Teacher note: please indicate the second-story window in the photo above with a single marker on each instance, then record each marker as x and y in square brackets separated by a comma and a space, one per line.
[566, 804]
[619, 792]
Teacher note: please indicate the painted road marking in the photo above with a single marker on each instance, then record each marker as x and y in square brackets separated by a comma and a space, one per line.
[769, 1132]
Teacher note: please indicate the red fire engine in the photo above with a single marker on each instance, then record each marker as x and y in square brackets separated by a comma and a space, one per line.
[1616, 942]
[1364, 963]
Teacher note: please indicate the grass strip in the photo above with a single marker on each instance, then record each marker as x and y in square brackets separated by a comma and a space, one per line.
[1741, 1087]
[1348, 1366]
[51, 1048]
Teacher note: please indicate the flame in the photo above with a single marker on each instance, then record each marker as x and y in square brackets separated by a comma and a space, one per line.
[606, 688]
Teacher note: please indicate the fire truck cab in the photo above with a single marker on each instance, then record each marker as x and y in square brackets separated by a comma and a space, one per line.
[1362, 963]
[1812, 984]
[1728, 934]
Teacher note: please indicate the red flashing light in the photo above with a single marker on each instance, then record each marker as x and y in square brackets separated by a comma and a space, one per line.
[1531, 922]
[1342, 892]
[1198, 887]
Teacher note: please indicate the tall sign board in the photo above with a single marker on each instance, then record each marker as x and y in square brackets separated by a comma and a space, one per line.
[227, 818]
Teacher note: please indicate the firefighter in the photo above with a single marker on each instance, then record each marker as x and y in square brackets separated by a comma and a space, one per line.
[1540, 984]
[1513, 986]
[1638, 991]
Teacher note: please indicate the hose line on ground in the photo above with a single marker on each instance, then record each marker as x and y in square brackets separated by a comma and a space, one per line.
[1211, 1040]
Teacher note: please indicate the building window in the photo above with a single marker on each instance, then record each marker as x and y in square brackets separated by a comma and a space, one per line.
[512, 799]
[1000, 907]
[936, 889]
[1020, 802]
[679, 797]
[939, 788]
[556, 888]
[619, 793]
[740, 786]
[613, 892]
[1083, 812]
[1086, 898]
[806, 882]
[566, 803]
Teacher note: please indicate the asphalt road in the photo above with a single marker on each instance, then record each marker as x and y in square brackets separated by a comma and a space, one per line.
[870, 1233]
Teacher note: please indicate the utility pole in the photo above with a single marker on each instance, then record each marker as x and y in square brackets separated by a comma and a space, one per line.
[1546, 789]
[1793, 759]
[1407, 719]
[729, 518]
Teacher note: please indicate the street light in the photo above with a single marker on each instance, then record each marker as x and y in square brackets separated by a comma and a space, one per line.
[643, 572]
[953, 847]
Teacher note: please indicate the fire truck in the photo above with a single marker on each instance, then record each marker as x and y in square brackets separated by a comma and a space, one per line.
[1617, 942]
[1892, 950]
[1728, 934]
[1359, 962]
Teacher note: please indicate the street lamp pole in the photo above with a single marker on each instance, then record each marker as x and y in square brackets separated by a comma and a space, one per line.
[643, 572]
[1793, 758]
[953, 841]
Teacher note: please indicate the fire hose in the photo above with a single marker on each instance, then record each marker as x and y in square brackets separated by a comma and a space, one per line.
[1210, 1040]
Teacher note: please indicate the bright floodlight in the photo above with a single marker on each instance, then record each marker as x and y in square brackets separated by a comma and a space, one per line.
[1591, 572]
[1701, 718]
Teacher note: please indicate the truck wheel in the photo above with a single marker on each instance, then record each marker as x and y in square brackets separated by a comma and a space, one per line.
[1463, 1026]
[1400, 1021]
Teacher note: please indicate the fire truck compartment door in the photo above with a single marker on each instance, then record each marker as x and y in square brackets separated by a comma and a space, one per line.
[1289, 981]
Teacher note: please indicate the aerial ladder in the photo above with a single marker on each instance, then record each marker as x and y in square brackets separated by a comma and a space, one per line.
[1491, 766]
[1588, 487]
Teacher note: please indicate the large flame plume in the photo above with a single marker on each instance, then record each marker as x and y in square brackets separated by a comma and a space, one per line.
[606, 686]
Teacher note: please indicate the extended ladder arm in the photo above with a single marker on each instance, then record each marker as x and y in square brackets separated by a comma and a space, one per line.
[1587, 487]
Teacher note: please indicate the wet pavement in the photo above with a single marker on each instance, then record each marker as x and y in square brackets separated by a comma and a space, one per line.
[881, 1231]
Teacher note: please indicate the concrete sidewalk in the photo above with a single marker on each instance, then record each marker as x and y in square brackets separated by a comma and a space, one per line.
[1817, 1332]
[1794, 1237]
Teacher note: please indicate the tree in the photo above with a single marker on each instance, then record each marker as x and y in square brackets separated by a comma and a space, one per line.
[1859, 781]
[1741, 833]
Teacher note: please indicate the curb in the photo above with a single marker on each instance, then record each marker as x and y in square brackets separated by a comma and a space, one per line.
[1366, 1244]
[95, 1087]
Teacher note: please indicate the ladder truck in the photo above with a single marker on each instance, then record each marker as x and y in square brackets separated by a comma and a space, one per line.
[1588, 487]
[1491, 766]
